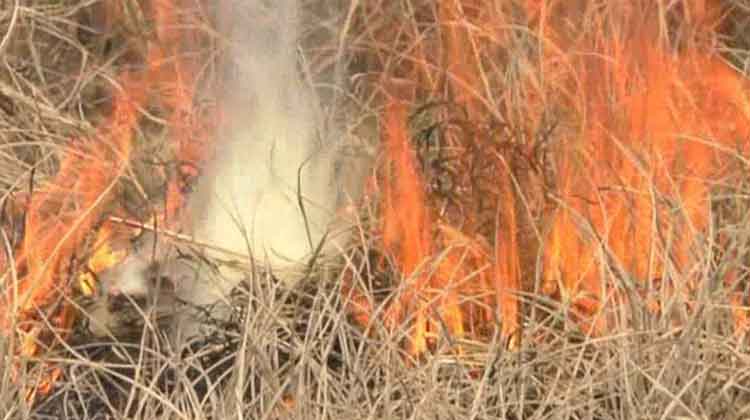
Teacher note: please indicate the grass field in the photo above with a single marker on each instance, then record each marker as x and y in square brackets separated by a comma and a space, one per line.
[556, 226]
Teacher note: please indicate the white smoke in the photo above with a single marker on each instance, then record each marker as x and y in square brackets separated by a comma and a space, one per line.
[269, 194]
[272, 189]
[271, 184]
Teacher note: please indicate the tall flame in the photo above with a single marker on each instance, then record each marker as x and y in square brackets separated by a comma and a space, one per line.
[649, 119]
[406, 227]
[63, 213]
[66, 209]
[658, 128]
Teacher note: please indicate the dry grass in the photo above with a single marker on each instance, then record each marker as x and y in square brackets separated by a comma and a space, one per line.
[300, 353]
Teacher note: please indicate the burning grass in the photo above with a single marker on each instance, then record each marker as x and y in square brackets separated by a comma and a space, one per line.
[557, 227]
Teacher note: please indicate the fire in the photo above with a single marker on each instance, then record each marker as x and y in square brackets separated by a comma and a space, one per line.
[406, 225]
[475, 271]
[104, 256]
[58, 219]
[658, 128]
[649, 119]
[61, 215]
[441, 264]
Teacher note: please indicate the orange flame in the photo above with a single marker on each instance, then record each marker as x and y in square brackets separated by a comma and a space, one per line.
[63, 213]
[406, 228]
[652, 118]
[59, 217]
[657, 128]
[467, 267]
[172, 71]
